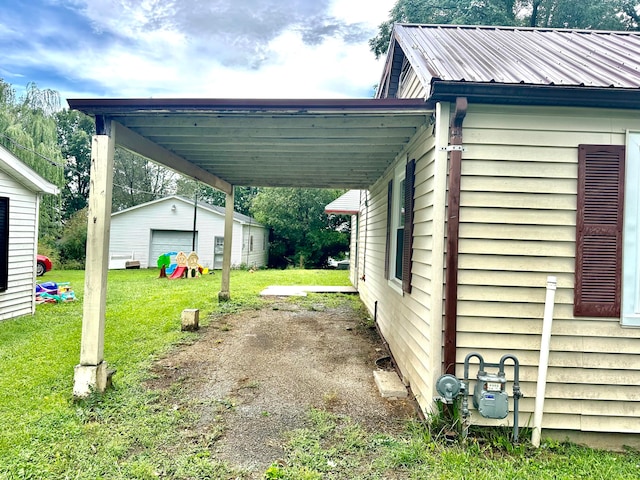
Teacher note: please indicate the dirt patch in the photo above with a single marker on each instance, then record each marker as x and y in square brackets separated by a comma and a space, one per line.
[254, 376]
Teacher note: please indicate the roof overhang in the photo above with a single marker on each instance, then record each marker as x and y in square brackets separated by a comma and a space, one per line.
[548, 95]
[345, 143]
[12, 166]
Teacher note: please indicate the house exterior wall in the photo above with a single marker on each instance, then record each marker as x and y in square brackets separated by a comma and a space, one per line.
[131, 231]
[19, 297]
[517, 225]
[255, 246]
[411, 86]
[410, 323]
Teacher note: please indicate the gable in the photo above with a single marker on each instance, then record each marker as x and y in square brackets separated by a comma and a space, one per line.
[14, 168]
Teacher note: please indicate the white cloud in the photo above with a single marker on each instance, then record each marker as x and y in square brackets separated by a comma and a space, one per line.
[214, 48]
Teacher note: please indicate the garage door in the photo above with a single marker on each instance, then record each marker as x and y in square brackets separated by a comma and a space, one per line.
[164, 241]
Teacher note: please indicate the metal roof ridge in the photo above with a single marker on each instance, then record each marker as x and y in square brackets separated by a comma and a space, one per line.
[518, 28]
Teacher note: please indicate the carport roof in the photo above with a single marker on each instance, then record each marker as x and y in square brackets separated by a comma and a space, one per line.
[345, 143]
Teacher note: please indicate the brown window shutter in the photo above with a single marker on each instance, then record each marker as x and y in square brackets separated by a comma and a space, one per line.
[388, 240]
[408, 225]
[599, 231]
[4, 243]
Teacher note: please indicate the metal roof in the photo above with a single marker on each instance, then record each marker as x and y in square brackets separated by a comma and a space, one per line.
[275, 143]
[520, 56]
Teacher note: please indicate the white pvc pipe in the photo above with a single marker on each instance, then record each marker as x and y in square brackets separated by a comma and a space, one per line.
[543, 364]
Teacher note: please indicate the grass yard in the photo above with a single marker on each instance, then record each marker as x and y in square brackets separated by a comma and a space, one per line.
[134, 433]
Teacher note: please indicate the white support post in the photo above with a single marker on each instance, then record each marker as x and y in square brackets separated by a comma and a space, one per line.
[224, 294]
[91, 374]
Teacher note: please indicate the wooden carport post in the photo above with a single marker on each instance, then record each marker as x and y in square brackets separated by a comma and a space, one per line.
[224, 294]
[91, 374]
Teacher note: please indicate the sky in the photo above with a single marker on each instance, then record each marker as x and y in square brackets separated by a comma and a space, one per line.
[192, 48]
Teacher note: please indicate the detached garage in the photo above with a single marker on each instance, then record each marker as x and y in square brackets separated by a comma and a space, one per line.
[144, 232]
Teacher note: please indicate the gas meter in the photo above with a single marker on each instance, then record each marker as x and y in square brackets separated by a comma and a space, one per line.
[489, 395]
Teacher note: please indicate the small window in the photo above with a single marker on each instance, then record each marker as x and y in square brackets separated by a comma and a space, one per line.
[4, 243]
[251, 243]
[400, 226]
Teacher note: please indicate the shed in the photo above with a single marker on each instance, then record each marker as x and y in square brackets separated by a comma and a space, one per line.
[20, 192]
[148, 230]
[492, 158]
[349, 204]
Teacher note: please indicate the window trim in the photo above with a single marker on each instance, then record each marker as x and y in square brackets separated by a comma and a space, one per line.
[394, 225]
[630, 315]
[396, 260]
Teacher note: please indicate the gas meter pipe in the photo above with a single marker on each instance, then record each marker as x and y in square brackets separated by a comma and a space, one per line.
[543, 364]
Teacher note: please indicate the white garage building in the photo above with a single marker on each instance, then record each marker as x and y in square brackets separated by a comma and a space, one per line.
[146, 231]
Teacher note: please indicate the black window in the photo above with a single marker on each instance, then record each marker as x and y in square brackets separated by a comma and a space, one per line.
[4, 243]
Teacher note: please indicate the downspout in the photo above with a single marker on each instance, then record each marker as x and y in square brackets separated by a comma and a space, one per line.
[366, 231]
[453, 234]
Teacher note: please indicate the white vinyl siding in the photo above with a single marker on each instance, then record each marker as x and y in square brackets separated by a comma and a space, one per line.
[517, 225]
[131, 231]
[410, 323]
[18, 299]
[410, 86]
[254, 246]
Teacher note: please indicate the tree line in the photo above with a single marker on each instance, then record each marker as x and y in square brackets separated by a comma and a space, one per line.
[56, 143]
[574, 14]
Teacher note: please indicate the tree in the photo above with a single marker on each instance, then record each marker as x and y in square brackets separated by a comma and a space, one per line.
[28, 130]
[587, 14]
[302, 233]
[242, 199]
[136, 180]
[73, 243]
[75, 130]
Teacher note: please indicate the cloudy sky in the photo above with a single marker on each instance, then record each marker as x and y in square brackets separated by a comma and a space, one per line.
[192, 48]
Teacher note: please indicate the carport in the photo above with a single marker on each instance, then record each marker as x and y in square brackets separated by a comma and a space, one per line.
[225, 143]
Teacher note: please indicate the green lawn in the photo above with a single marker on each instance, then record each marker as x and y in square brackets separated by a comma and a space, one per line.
[44, 434]
[134, 433]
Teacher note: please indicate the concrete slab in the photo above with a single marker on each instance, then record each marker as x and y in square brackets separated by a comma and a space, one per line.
[301, 290]
[389, 384]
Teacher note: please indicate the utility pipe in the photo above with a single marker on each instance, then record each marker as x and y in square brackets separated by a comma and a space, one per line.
[543, 364]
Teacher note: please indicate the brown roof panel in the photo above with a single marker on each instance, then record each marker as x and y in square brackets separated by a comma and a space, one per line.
[511, 55]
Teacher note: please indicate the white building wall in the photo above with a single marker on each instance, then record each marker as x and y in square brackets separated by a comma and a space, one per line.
[131, 231]
[18, 299]
[410, 323]
[255, 246]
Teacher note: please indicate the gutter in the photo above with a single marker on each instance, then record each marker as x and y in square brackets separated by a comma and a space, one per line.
[453, 236]
[541, 95]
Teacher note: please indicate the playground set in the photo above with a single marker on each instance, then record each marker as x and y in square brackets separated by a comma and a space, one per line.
[174, 265]
[52, 292]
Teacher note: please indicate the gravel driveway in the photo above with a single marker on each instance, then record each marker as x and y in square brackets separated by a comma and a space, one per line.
[254, 376]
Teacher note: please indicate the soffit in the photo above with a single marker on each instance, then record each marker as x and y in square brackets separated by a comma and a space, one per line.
[273, 143]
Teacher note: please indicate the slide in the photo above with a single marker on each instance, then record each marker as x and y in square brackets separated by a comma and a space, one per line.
[178, 272]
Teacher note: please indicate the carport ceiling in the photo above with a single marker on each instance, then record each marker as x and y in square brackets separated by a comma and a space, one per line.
[269, 143]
